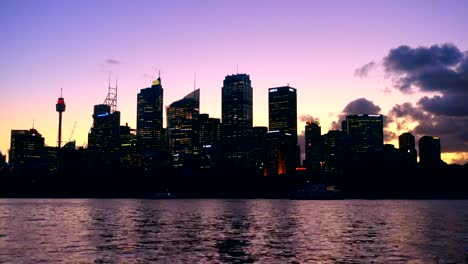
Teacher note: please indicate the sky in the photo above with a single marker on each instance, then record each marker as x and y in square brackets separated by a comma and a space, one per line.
[406, 60]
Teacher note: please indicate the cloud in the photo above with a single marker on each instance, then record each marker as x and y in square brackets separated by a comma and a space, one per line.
[356, 107]
[112, 62]
[441, 69]
[451, 129]
[305, 118]
[364, 70]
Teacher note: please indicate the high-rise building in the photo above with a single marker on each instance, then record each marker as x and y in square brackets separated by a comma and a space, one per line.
[26, 149]
[280, 153]
[406, 145]
[209, 140]
[181, 125]
[237, 120]
[366, 132]
[313, 147]
[337, 149]
[150, 116]
[105, 132]
[282, 110]
[429, 150]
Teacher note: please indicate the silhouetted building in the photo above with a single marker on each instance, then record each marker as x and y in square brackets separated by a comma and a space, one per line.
[181, 124]
[259, 148]
[366, 132]
[237, 120]
[209, 140]
[282, 117]
[282, 110]
[337, 152]
[313, 147]
[105, 132]
[26, 149]
[429, 150]
[127, 137]
[150, 116]
[406, 145]
[281, 154]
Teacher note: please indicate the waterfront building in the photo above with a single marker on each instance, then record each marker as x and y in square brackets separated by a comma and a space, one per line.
[366, 132]
[150, 132]
[237, 121]
[182, 132]
[406, 145]
[429, 150]
[105, 132]
[209, 140]
[26, 150]
[313, 147]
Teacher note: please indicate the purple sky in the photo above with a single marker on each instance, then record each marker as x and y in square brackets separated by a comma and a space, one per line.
[315, 46]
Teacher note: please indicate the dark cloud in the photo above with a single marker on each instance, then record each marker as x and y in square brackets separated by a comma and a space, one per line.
[364, 70]
[112, 62]
[361, 106]
[442, 69]
[448, 105]
[356, 107]
[451, 129]
[305, 118]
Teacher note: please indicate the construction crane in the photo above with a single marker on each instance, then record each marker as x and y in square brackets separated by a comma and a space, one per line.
[73, 130]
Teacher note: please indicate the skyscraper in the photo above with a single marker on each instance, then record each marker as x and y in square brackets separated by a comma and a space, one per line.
[313, 146]
[237, 120]
[282, 110]
[26, 149]
[429, 150]
[105, 132]
[209, 140]
[181, 125]
[406, 145]
[150, 116]
[366, 132]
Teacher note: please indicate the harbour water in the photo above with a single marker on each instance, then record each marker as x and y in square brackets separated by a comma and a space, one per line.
[227, 231]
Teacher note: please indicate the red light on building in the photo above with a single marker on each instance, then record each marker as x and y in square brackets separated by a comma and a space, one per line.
[301, 168]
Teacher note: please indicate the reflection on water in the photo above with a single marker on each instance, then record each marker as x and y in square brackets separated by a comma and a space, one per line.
[226, 231]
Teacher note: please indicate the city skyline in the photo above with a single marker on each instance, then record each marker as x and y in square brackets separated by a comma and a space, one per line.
[294, 50]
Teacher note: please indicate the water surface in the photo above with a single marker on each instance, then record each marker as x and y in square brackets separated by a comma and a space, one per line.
[226, 231]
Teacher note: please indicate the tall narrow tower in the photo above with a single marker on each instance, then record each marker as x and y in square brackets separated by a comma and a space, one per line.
[60, 108]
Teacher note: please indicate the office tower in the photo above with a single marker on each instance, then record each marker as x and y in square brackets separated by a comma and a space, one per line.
[181, 126]
[60, 108]
[127, 137]
[26, 149]
[105, 132]
[209, 140]
[282, 110]
[366, 131]
[281, 157]
[337, 151]
[259, 148]
[429, 150]
[150, 132]
[313, 147]
[237, 120]
[406, 145]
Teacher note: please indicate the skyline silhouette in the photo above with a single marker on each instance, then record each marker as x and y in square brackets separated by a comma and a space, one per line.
[338, 59]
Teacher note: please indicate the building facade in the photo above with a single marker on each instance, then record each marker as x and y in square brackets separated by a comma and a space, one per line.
[237, 120]
[429, 150]
[150, 116]
[182, 131]
[366, 132]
